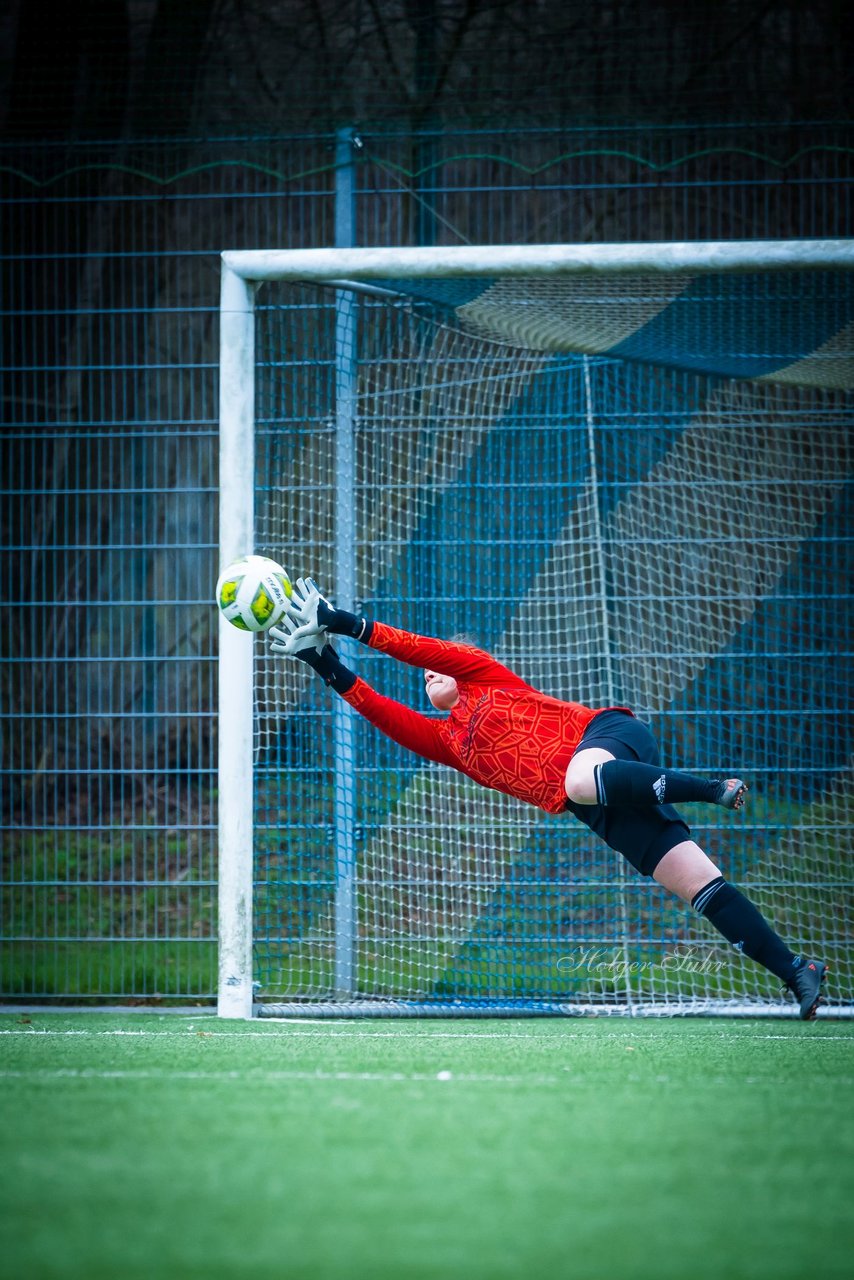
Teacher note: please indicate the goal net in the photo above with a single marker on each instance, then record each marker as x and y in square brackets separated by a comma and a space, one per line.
[631, 489]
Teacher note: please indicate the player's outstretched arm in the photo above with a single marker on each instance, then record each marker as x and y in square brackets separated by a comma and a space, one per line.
[312, 615]
[412, 730]
[464, 662]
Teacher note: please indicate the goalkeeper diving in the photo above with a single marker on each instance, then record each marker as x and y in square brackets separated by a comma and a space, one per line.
[602, 766]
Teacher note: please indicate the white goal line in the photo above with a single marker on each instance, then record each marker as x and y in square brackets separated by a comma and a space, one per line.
[357, 1029]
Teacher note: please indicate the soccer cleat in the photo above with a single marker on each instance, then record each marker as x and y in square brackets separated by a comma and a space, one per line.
[731, 793]
[806, 987]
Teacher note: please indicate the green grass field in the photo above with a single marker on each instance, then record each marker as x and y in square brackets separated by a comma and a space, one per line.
[171, 1146]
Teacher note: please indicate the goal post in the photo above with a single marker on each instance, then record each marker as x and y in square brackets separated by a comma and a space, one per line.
[235, 752]
[606, 417]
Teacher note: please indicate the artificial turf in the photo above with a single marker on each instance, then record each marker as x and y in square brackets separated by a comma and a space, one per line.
[182, 1146]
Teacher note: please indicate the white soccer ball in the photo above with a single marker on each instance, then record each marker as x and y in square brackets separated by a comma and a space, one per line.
[252, 593]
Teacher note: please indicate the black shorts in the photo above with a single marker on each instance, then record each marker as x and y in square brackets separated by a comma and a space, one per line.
[642, 836]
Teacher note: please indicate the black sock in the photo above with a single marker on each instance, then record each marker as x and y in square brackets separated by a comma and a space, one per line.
[738, 920]
[628, 782]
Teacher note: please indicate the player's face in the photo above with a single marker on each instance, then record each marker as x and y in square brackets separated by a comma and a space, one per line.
[441, 690]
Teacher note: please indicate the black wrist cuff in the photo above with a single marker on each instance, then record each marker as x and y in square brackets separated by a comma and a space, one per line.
[330, 668]
[343, 623]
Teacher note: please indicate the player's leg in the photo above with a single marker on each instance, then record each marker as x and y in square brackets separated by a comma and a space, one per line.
[594, 776]
[657, 842]
[686, 871]
[580, 780]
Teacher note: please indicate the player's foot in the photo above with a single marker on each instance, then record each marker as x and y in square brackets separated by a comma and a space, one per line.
[806, 987]
[731, 793]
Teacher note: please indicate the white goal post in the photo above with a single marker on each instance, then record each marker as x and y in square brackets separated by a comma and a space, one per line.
[374, 273]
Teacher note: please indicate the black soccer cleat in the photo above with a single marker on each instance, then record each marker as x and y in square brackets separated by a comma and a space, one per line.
[806, 987]
[731, 793]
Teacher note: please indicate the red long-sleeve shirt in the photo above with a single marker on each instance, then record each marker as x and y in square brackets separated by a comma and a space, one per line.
[501, 732]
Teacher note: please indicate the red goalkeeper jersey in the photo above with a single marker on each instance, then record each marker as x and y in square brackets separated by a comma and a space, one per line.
[501, 732]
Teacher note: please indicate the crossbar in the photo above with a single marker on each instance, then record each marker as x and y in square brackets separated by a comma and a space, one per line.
[539, 260]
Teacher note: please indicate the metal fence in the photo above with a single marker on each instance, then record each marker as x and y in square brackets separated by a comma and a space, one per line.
[109, 466]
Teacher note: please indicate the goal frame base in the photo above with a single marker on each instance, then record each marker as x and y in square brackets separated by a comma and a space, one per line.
[322, 1009]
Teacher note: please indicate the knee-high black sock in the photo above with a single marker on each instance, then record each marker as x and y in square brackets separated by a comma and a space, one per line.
[744, 926]
[628, 782]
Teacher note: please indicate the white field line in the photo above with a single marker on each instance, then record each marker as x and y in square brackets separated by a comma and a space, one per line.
[251, 1076]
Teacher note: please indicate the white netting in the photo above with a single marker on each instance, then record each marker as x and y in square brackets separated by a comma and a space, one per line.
[614, 532]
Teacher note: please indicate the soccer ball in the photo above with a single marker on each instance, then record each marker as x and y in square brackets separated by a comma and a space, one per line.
[252, 593]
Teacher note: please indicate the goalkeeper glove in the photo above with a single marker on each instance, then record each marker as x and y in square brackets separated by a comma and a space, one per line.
[312, 613]
[314, 651]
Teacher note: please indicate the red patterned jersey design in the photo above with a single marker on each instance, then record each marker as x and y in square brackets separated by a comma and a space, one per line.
[502, 732]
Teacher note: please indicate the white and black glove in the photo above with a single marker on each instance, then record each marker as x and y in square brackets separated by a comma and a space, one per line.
[313, 613]
[294, 640]
[308, 642]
